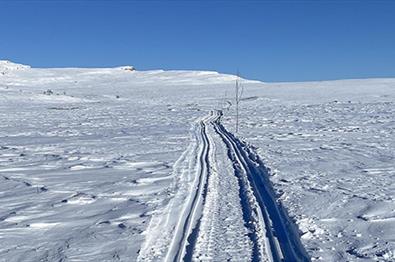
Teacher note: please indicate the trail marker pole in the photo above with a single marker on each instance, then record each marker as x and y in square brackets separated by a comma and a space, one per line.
[239, 93]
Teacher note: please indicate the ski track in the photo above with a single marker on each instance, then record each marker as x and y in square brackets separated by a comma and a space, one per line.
[223, 208]
[282, 241]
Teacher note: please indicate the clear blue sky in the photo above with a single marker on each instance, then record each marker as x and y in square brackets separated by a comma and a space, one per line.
[266, 40]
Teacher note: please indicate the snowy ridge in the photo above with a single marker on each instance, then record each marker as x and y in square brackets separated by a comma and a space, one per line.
[6, 65]
[169, 77]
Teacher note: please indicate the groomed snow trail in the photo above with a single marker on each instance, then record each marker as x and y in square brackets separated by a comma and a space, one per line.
[223, 208]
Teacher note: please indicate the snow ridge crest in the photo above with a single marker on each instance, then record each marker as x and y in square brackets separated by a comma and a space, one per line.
[8, 65]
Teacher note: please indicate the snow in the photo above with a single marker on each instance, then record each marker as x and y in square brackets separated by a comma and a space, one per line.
[331, 149]
[6, 66]
[100, 169]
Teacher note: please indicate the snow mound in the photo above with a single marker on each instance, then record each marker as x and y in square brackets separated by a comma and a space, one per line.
[6, 65]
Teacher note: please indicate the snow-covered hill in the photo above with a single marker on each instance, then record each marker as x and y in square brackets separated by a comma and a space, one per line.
[91, 158]
[6, 66]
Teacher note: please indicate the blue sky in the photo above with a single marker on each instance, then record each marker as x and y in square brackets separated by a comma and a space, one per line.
[266, 40]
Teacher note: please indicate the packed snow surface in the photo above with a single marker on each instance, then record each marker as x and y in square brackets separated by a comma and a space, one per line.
[114, 164]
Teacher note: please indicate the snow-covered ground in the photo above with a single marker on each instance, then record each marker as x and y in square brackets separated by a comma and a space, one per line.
[99, 164]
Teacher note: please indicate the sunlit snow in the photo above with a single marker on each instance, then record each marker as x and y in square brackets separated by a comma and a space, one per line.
[88, 158]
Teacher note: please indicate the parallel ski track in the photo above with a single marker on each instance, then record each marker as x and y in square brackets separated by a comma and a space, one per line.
[282, 241]
[190, 229]
[271, 232]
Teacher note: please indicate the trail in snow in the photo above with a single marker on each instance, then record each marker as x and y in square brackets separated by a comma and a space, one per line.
[223, 234]
[281, 240]
[168, 234]
[224, 206]
[188, 229]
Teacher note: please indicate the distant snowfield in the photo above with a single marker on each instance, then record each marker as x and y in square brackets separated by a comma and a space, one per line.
[92, 161]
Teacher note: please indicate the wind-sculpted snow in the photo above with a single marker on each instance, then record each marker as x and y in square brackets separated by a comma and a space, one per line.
[91, 161]
[331, 155]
